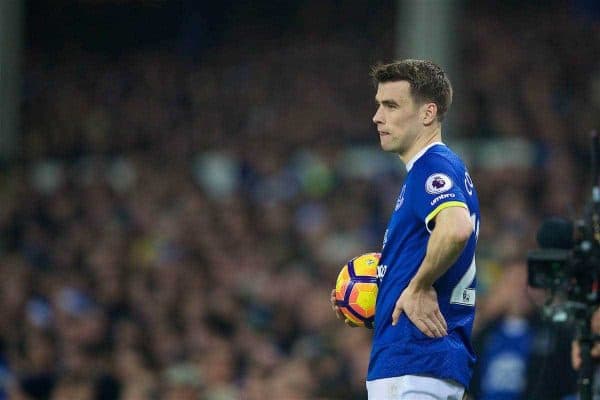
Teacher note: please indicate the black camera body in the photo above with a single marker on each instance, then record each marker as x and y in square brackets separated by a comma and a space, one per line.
[549, 268]
[568, 261]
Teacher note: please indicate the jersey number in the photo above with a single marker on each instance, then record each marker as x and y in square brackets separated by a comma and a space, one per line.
[462, 294]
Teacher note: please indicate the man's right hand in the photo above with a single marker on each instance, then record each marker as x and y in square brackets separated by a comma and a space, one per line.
[576, 353]
[338, 312]
[576, 349]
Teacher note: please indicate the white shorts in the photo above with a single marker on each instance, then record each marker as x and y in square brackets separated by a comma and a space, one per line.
[414, 387]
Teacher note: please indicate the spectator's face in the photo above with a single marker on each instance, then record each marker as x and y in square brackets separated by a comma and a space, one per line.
[397, 117]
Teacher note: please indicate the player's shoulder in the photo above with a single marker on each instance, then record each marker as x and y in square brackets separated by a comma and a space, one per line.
[440, 156]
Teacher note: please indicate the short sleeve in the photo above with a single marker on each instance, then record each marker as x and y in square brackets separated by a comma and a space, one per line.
[434, 187]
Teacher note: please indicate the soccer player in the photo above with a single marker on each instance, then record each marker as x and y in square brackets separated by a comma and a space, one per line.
[426, 301]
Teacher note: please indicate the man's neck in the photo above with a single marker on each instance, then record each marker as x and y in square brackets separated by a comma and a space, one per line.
[424, 140]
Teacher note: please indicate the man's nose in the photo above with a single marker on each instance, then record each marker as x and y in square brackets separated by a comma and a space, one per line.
[378, 117]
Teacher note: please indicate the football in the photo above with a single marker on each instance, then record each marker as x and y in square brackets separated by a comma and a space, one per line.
[356, 289]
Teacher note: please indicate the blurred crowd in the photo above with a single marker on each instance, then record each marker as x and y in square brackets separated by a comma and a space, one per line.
[173, 227]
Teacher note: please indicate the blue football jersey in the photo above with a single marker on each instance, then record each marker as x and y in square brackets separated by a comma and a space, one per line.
[436, 179]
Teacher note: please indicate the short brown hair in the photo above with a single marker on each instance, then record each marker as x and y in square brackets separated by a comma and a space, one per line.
[428, 81]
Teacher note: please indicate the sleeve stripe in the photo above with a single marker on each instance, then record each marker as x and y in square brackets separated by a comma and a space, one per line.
[442, 206]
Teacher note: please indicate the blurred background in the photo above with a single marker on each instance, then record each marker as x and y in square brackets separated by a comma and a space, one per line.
[181, 182]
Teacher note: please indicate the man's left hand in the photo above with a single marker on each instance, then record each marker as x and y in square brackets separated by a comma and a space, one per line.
[422, 308]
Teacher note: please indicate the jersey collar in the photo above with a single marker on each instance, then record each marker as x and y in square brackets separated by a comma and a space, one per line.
[410, 164]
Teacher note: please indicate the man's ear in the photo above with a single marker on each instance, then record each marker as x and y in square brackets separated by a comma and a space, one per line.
[429, 113]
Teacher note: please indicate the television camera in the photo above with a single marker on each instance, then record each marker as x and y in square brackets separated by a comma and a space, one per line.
[568, 265]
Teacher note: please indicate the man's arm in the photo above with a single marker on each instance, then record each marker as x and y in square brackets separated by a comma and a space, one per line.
[453, 228]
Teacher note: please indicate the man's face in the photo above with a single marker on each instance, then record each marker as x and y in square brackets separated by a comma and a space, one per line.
[397, 117]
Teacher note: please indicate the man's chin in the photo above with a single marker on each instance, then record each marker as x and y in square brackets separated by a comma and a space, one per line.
[388, 148]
